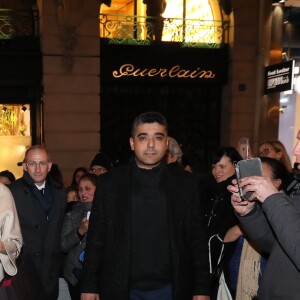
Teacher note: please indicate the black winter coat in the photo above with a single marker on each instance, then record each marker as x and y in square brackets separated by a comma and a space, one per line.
[219, 215]
[106, 267]
[41, 235]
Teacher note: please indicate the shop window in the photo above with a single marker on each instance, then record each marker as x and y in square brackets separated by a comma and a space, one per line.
[15, 120]
[188, 21]
[15, 135]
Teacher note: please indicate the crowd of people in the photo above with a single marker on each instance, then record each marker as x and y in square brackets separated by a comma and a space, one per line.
[152, 229]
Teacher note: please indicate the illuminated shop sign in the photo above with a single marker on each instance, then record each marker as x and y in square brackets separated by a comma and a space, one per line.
[165, 64]
[176, 71]
[279, 77]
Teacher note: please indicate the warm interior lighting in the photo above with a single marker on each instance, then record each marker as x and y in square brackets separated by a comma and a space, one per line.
[15, 136]
[194, 10]
[275, 56]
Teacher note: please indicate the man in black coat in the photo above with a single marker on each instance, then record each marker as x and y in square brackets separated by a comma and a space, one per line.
[146, 237]
[40, 205]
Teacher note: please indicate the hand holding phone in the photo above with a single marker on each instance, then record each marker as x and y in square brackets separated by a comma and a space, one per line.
[246, 168]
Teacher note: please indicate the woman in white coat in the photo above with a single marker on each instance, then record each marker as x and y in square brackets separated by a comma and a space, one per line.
[10, 235]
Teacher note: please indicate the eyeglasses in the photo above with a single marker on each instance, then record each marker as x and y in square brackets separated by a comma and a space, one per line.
[265, 152]
[98, 170]
[33, 164]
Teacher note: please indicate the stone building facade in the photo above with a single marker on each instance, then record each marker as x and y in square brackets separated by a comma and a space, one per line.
[69, 36]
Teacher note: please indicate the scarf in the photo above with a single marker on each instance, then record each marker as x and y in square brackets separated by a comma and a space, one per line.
[249, 272]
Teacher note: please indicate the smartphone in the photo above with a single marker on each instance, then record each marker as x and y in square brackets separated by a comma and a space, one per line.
[88, 215]
[246, 168]
[244, 148]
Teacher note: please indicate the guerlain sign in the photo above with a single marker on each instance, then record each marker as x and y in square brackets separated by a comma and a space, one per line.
[176, 71]
[165, 63]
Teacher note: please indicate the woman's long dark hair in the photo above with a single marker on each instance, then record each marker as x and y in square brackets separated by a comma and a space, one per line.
[230, 152]
[91, 177]
[279, 171]
[79, 169]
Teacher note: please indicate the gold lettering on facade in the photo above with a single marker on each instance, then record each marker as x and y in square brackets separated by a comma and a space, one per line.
[127, 70]
[195, 73]
[163, 73]
[153, 72]
[173, 71]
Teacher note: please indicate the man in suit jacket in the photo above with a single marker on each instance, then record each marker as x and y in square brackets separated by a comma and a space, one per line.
[40, 204]
[146, 237]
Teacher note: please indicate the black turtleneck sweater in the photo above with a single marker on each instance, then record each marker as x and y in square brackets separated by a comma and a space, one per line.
[150, 256]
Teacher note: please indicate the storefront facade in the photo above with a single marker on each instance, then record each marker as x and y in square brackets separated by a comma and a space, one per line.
[75, 107]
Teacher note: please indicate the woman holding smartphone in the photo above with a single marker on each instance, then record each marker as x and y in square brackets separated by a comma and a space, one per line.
[248, 261]
[271, 218]
[74, 233]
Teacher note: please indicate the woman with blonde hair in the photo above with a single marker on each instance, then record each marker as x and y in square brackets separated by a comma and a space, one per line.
[275, 149]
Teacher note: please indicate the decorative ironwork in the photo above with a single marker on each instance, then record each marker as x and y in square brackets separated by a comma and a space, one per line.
[138, 30]
[125, 29]
[18, 23]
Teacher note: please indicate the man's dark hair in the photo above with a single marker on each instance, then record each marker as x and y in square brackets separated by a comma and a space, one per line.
[9, 175]
[149, 117]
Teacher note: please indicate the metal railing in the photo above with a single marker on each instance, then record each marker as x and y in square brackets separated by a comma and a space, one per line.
[18, 23]
[140, 30]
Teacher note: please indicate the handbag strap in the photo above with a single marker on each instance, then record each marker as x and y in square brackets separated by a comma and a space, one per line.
[209, 251]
